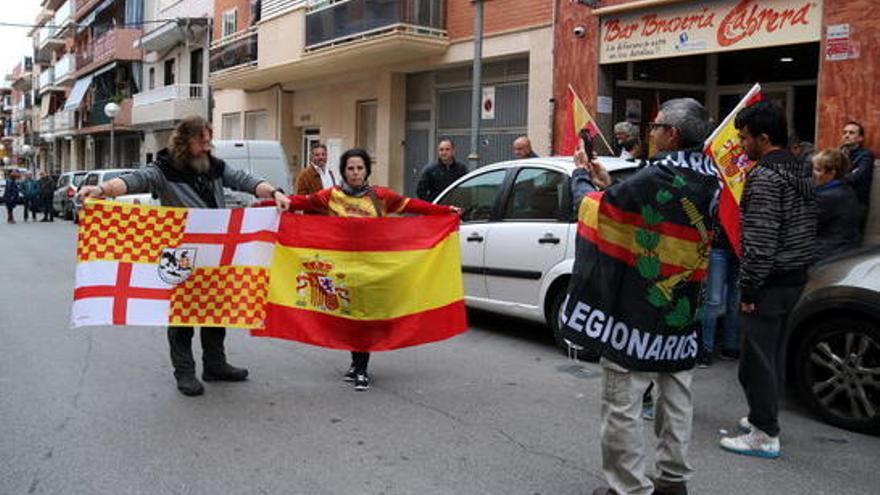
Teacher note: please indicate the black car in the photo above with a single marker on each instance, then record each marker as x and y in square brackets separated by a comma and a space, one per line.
[833, 341]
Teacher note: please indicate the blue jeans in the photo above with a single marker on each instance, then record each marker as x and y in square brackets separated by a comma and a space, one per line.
[722, 298]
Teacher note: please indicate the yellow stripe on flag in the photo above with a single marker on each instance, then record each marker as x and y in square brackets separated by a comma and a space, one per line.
[367, 285]
[620, 237]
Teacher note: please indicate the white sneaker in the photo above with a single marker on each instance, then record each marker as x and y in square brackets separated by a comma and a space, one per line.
[756, 444]
[744, 426]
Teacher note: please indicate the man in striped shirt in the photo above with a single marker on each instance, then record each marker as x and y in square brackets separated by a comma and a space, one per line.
[779, 221]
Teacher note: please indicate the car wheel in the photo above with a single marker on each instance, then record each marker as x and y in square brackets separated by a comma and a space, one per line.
[838, 372]
[575, 352]
[68, 215]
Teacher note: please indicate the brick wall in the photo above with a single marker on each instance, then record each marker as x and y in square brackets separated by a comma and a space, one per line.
[498, 15]
[848, 88]
[244, 15]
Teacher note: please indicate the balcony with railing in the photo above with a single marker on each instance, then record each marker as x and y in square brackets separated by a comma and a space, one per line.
[22, 75]
[335, 23]
[95, 115]
[65, 68]
[65, 121]
[63, 18]
[307, 41]
[116, 44]
[47, 125]
[47, 41]
[47, 78]
[169, 103]
[236, 51]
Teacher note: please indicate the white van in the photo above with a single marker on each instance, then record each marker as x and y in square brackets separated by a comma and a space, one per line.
[264, 159]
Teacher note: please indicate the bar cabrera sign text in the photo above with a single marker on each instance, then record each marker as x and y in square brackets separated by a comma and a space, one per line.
[702, 27]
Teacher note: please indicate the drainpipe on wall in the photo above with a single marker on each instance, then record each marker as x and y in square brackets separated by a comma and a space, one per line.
[206, 70]
[476, 96]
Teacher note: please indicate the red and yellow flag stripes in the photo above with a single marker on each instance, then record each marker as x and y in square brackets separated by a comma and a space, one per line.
[366, 284]
[614, 231]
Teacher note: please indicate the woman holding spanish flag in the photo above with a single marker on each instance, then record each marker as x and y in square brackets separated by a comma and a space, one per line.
[354, 197]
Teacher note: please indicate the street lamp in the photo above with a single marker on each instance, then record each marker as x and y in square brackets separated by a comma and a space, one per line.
[112, 110]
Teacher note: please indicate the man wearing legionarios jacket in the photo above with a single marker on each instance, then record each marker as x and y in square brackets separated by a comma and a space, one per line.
[642, 254]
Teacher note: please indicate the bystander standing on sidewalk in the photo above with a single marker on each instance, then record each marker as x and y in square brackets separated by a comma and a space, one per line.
[11, 196]
[30, 190]
[47, 190]
[779, 219]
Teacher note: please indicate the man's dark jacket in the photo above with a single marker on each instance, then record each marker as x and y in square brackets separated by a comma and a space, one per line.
[861, 173]
[436, 177]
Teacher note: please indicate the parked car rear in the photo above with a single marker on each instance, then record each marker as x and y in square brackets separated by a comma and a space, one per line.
[65, 189]
[95, 177]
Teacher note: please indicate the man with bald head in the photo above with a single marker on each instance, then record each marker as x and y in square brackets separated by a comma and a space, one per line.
[522, 148]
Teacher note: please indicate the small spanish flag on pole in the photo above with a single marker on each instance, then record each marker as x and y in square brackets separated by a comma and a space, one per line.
[578, 118]
[366, 284]
[724, 148]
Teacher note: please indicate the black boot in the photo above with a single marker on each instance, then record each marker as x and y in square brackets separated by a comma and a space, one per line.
[214, 358]
[180, 344]
[189, 385]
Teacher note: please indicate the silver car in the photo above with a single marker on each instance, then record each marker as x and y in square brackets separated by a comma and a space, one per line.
[65, 190]
[833, 341]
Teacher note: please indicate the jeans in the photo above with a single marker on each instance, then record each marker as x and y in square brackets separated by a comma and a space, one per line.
[32, 206]
[762, 362]
[722, 297]
[624, 456]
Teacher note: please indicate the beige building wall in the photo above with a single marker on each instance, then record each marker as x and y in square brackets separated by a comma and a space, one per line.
[538, 45]
[277, 104]
[331, 105]
[332, 108]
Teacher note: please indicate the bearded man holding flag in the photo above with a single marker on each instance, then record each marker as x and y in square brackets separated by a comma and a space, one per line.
[642, 254]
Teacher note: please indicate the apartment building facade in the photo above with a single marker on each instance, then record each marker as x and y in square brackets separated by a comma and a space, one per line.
[7, 137]
[25, 133]
[175, 44]
[388, 76]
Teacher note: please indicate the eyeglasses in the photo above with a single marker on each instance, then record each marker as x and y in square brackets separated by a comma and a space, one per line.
[655, 125]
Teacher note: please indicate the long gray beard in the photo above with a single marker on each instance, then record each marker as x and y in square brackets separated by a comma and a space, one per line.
[200, 165]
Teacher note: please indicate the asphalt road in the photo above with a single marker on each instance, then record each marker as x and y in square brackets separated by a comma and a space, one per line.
[494, 411]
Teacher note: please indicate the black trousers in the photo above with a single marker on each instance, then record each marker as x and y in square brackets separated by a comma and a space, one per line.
[762, 356]
[48, 209]
[360, 360]
[180, 343]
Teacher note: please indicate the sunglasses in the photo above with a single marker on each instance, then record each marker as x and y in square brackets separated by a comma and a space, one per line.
[656, 125]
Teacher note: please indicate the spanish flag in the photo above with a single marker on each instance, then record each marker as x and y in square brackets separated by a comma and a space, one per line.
[578, 119]
[366, 284]
[724, 149]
